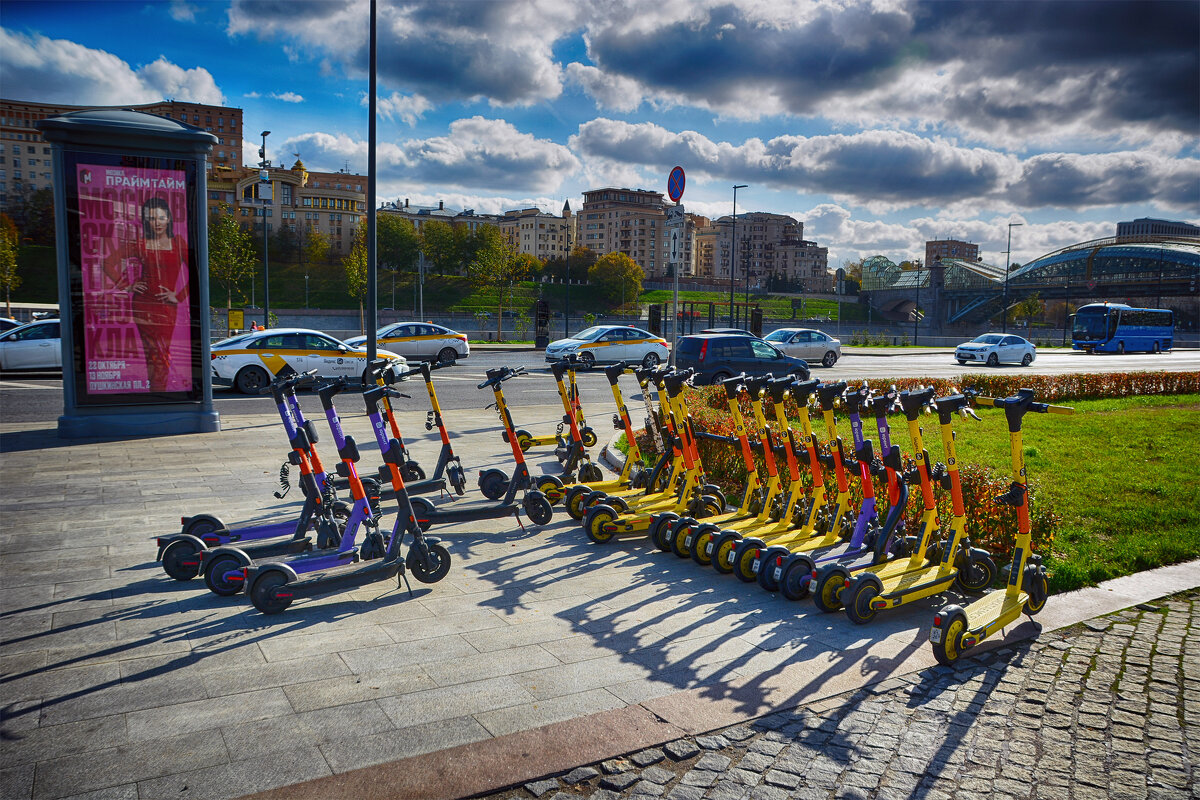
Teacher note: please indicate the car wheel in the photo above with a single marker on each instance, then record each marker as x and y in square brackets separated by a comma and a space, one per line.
[588, 360]
[718, 377]
[1121, 348]
[1027, 359]
[993, 360]
[650, 361]
[448, 355]
[830, 359]
[252, 380]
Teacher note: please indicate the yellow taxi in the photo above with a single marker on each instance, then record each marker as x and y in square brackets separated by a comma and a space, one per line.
[249, 361]
[610, 344]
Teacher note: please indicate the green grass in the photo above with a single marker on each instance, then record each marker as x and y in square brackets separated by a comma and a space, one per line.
[773, 306]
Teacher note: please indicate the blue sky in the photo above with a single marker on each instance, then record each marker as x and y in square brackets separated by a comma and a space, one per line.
[878, 124]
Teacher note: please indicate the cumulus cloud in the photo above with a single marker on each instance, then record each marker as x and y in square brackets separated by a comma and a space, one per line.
[894, 169]
[409, 108]
[61, 71]
[476, 153]
[455, 49]
[182, 11]
[288, 97]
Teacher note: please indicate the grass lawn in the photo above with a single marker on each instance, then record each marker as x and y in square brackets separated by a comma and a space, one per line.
[1122, 474]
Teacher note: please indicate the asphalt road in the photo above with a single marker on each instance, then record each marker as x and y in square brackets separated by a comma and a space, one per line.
[28, 398]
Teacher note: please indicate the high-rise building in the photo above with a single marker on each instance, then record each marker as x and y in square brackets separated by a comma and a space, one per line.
[629, 221]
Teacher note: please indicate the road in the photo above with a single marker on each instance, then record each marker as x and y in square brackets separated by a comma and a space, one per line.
[39, 399]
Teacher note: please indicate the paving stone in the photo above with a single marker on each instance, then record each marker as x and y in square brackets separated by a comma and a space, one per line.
[619, 781]
[647, 789]
[686, 793]
[604, 794]
[614, 765]
[714, 762]
[728, 790]
[715, 742]
[539, 788]
[699, 777]
[681, 749]
[658, 775]
[644, 758]
[755, 761]
[787, 780]
[580, 774]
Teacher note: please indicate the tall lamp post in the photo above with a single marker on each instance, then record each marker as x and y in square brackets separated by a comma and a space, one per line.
[264, 178]
[1007, 259]
[733, 250]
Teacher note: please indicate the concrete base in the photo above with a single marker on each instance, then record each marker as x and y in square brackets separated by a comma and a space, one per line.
[137, 422]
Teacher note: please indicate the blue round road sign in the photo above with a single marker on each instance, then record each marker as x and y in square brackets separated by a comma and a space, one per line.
[675, 184]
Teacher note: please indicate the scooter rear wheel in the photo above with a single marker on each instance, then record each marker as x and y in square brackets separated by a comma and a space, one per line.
[858, 599]
[796, 582]
[431, 569]
[744, 556]
[262, 592]
[215, 571]
[594, 522]
[660, 530]
[952, 630]
[493, 485]
[181, 560]
[828, 589]
[724, 547]
[702, 537]
[550, 486]
[574, 502]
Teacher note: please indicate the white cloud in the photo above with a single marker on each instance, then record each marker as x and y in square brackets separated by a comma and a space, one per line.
[409, 108]
[61, 71]
[288, 97]
[182, 11]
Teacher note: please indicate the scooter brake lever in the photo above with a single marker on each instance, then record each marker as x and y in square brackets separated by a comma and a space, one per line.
[967, 411]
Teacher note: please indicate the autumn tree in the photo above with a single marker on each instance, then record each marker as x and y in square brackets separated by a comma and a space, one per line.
[497, 265]
[9, 241]
[355, 264]
[230, 253]
[615, 276]
[316, 246]
[440, 246]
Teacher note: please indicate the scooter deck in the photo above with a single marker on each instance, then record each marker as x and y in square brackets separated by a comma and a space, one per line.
[901, 577]
[995, 609]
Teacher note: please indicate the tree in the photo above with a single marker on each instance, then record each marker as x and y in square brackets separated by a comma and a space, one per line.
[9, 279]
[853, 269]
[33, 213]
[230, 253]
[355, 264]
[497, 265]
[579, 261]
[615, 276]
[439, 245]
[1029, 308]
[316, 246]
[396, 242]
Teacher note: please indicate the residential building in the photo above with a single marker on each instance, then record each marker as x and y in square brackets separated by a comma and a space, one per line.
[950, 249]
[331, 203]
[536, 233]
[629, 221]
[26, 161]
[1156, 227]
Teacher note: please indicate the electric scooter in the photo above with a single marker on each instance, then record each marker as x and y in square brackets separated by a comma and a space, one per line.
[274, 585]
[182, 554]
[569, 393]
[957, 629]
[494, 483]
[572, 452]
[931, 568]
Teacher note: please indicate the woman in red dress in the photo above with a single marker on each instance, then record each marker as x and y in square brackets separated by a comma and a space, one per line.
[159, 290]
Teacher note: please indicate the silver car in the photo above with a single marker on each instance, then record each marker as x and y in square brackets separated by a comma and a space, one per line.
[996, 348]
[807, 343]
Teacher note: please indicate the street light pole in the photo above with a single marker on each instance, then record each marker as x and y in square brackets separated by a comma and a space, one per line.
[917, 306]
[263, 177]
[733, 249]
[1007, 259]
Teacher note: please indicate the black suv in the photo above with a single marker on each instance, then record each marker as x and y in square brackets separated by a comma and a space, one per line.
[717, 356]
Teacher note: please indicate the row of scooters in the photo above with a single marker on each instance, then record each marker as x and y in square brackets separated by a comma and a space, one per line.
[811, 541]
[337, 543]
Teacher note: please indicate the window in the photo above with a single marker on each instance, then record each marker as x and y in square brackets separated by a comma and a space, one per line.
[764, 350]
[314, 342]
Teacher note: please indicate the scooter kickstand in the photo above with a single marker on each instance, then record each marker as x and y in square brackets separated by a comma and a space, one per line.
[404, 577]
[517, 517]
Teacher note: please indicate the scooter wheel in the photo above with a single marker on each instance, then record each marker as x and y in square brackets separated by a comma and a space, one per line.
[976, 574]
[216, 570]
[771, 565]
[524, 441]
[411, 471]
[181, 560]
[590, 473]
[574, 502]
[588, 436]
[681, 531]
[710, 506]
[747, 552]
[828, 588]
[421, 506]
[493, 484]
[594, 522]
[702, 539]
[201, 524]
[797, 578]
[457, 480]
[1037, 588]
[539, 510]
[262, 593]
[552, 487]
[660, 530]
[724, 550]
[858, 597]
[432, 568]
[950, 634]
[594, 498]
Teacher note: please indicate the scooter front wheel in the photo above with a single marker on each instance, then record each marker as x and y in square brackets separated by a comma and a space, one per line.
[539, 510]
[588, 436]
[828, 589]
[262, 593]
[181, 560]
[1038, 590]
[590, 473]
[976, 575]
[433, 567]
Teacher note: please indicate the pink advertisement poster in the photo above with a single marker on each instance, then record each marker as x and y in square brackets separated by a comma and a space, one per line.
[134, 252]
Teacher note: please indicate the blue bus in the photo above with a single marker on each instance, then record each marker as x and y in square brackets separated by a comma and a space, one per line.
[1118, 328]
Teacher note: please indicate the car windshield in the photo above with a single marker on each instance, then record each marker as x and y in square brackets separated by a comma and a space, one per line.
[781, 335]
[232, 340]
[988, 338]
[590, 334]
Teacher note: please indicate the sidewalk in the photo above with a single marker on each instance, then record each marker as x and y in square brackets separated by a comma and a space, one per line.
[540, 652]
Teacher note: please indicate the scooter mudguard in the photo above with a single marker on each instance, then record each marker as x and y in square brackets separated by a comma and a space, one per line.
[165, 541]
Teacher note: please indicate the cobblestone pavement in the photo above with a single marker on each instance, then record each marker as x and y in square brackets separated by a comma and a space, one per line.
[1109, 708]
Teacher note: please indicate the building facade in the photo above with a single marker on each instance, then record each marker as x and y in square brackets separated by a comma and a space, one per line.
[629, 221]
[948, 249]
[26, 161]
[534, 232]
[1156, 227]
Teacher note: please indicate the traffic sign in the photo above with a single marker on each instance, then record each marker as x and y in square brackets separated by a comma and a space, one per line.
[675, 184]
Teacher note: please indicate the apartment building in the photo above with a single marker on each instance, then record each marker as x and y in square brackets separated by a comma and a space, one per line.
[950, 248]
[629, 221]
[331, 203]
[536, 233]
[26, 161]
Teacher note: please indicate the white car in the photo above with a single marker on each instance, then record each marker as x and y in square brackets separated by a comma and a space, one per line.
[33, 346]
[422, 341]
[610, 344]
[807, 343]
[996, 348]
[249, 361]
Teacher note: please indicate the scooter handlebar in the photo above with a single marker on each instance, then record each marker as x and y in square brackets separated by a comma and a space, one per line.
[497, 375]
[296, 380]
